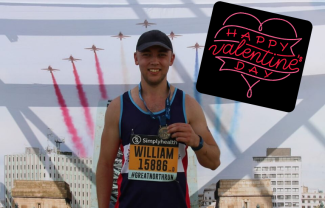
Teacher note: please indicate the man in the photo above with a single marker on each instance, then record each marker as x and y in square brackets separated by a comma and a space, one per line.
[146, 122]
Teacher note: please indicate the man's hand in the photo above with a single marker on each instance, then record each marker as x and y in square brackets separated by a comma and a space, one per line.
[184, 133]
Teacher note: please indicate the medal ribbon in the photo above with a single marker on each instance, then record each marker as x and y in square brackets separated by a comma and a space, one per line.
[162, 119]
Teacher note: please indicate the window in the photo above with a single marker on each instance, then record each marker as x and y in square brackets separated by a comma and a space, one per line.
[295, 168]
[280, 168]
[265, 168]
[280, 197]
[288, 197]
[272, 176]
[280, 175]
[288, 189]
[280, 190]
[295, 190]
[295, 182]
[295, 196]
[50, 175]
[257, 168]
[281, 204]
[288, 175]
[264, 176]
[287, 168]
[280, 182]
[288, 183]
[274, 190]
[272, 169]
[295, 175]
[49, 158]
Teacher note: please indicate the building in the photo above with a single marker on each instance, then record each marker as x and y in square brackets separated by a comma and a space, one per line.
[41, 194]
[284, 171]
[312, 198]
[244, 193]
[2, 202]
[50, 165]
[208, 195]
[200, 199]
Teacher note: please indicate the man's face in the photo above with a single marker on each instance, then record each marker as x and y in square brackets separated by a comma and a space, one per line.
[154, 63]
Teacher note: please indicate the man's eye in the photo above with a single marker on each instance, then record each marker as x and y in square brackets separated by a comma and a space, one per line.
[162, 54]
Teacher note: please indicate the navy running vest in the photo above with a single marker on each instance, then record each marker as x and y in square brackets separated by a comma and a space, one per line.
[148, 194]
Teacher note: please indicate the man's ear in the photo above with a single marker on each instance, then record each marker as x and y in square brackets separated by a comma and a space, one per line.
[172, 59]
[136, 59]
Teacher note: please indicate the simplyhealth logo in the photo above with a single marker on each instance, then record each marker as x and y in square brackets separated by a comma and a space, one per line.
[248, 48]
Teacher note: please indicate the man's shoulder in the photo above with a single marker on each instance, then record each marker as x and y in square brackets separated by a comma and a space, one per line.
[113, 110]
[190, 101]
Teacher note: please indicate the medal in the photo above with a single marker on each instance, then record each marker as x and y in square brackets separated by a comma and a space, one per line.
[162, 132]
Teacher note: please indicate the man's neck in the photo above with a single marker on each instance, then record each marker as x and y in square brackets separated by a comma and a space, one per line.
[154, 91]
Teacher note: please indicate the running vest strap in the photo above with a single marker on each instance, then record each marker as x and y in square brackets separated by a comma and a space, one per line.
[145, 194]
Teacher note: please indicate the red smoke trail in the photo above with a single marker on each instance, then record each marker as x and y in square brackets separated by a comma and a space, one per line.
[84, 103]
[68, 121]
[100, 79]
[124, 68]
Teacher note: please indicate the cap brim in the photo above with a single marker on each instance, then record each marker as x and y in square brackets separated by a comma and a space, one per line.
[147, 45]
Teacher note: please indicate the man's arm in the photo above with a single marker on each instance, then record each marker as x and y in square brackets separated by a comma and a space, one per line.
[209, 155]
[108, 150]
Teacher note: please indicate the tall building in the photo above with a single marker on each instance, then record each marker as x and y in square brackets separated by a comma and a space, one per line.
[284, 171]
[312, 198]
[50, 165]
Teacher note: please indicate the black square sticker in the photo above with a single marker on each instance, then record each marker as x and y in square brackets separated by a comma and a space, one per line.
[254, 56]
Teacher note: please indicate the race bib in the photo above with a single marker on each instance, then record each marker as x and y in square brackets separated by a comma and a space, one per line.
[152, 158]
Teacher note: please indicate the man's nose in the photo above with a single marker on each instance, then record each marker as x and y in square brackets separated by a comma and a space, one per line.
[154, 60]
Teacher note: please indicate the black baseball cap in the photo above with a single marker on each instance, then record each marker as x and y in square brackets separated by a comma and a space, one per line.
[154, 37]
